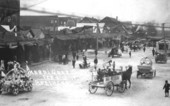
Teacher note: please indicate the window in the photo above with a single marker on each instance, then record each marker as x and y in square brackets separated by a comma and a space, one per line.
[52, 21]
[161, 46]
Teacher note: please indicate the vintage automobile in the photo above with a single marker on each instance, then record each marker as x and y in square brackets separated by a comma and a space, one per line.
[16, 81]
[115, 52]
[145, 69]
[161, 58]
[82, 66]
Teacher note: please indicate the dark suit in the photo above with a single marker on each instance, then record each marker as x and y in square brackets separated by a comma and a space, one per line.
[166, 87]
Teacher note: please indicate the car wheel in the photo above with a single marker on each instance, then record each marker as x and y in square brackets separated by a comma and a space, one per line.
[92, 89]
[109, 88]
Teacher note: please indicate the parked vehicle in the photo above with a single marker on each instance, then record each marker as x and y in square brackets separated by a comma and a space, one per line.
[161, 58]
[145, 68]
[115, 52]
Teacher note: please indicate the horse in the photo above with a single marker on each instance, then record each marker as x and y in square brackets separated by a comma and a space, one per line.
[126, 76]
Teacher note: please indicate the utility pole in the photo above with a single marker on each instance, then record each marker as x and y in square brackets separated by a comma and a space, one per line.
[98, 32]
[163, 32]
[54, 21]
[97, 43]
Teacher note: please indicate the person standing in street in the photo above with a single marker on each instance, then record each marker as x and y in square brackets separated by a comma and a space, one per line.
[166, 87]
[85, 61]
[144, 48]
[114, 65]
[95, 62]
[130, 53]
[153, 52]
[74, 62]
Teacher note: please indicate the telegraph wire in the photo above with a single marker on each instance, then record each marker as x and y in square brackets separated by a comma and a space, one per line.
[35, 4]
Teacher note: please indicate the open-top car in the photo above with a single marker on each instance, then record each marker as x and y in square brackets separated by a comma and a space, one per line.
[145, 69]
[115, 51]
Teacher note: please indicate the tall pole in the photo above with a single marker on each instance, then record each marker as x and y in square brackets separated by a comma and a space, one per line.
[54, 27]
[97, 43]
[98, 32]
[163, 32]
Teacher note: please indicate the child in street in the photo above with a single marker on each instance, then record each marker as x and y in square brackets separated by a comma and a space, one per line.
[166, 87]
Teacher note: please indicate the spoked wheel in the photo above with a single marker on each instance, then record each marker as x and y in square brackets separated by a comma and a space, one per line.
[15, 91]
[122, 87]
[109, 88]
[29, 89]
[92, 88]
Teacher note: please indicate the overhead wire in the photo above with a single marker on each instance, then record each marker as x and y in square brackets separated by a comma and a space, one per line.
[35, 4]
[28, 8]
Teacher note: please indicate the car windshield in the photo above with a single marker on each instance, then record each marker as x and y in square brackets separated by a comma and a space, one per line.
[146, 61]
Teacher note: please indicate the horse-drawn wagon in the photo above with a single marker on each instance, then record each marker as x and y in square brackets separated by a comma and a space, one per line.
[109, 82]
[145, 69]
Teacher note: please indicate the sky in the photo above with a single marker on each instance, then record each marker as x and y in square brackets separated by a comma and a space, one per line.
[126, 10]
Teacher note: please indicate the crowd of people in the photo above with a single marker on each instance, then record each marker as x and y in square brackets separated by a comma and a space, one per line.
[108, 70]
